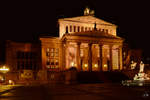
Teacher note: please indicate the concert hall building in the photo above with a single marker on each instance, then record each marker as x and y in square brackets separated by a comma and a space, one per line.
[85, 42]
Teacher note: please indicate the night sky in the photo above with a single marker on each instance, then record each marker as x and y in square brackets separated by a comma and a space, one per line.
[25, 20]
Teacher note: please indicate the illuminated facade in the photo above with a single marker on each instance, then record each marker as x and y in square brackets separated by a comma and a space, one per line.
[84, 42]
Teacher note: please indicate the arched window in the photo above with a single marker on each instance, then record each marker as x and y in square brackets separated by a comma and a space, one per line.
[66, 29]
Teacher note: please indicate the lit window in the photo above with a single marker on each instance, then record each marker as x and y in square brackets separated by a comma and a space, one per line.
[56, 61]
[124, 54]
[52, 54]
[47, 54]
[52, 49]
[56, 54]
[48, 59]
[52, 62]
[47, 50]
[56, 50]
[52, 59]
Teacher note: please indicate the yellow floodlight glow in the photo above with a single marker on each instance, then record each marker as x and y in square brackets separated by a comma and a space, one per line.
[105, 65]
[85, 65]
[95, 65]
[72, 64]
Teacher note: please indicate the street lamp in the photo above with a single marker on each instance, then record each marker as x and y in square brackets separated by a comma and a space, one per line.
[4, 69]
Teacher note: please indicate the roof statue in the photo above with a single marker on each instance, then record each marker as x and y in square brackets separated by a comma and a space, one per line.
[95, 26]
[88, 11]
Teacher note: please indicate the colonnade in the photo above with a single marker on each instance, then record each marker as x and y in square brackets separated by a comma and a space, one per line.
[100, 61]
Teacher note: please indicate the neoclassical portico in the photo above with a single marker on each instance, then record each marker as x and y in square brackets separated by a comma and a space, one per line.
[85, 42]
[93, 51]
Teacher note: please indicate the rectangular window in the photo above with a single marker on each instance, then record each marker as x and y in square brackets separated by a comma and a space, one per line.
[52, 50]
[18, 65]
[52, 54]
[47, 63]
[47, 54]
[56, 62]
[47, 50]
[18, 55]
[56, 50]
[52, 58]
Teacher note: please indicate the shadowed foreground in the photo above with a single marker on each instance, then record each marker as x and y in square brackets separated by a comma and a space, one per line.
[77, 92]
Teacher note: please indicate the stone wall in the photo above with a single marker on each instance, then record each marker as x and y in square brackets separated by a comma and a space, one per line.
[44, 77]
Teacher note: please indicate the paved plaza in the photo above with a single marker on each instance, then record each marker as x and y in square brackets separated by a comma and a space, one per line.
[77, 92]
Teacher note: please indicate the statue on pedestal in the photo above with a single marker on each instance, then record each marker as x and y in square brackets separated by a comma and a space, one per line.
[133, 65]
[141, 67]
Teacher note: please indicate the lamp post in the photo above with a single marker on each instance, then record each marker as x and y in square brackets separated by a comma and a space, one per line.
[4, 70]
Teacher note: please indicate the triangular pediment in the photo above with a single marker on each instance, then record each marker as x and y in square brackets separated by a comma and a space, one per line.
[87, 19]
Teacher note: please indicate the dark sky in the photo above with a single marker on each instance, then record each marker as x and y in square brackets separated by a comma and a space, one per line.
[24, 20]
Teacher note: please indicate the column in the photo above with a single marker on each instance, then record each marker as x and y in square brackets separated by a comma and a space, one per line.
[61, 48]
[120, 57]
[101, 57]
[43, 57]
[64, 47]
[78, 56]
[90, 57]
[110, 54]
